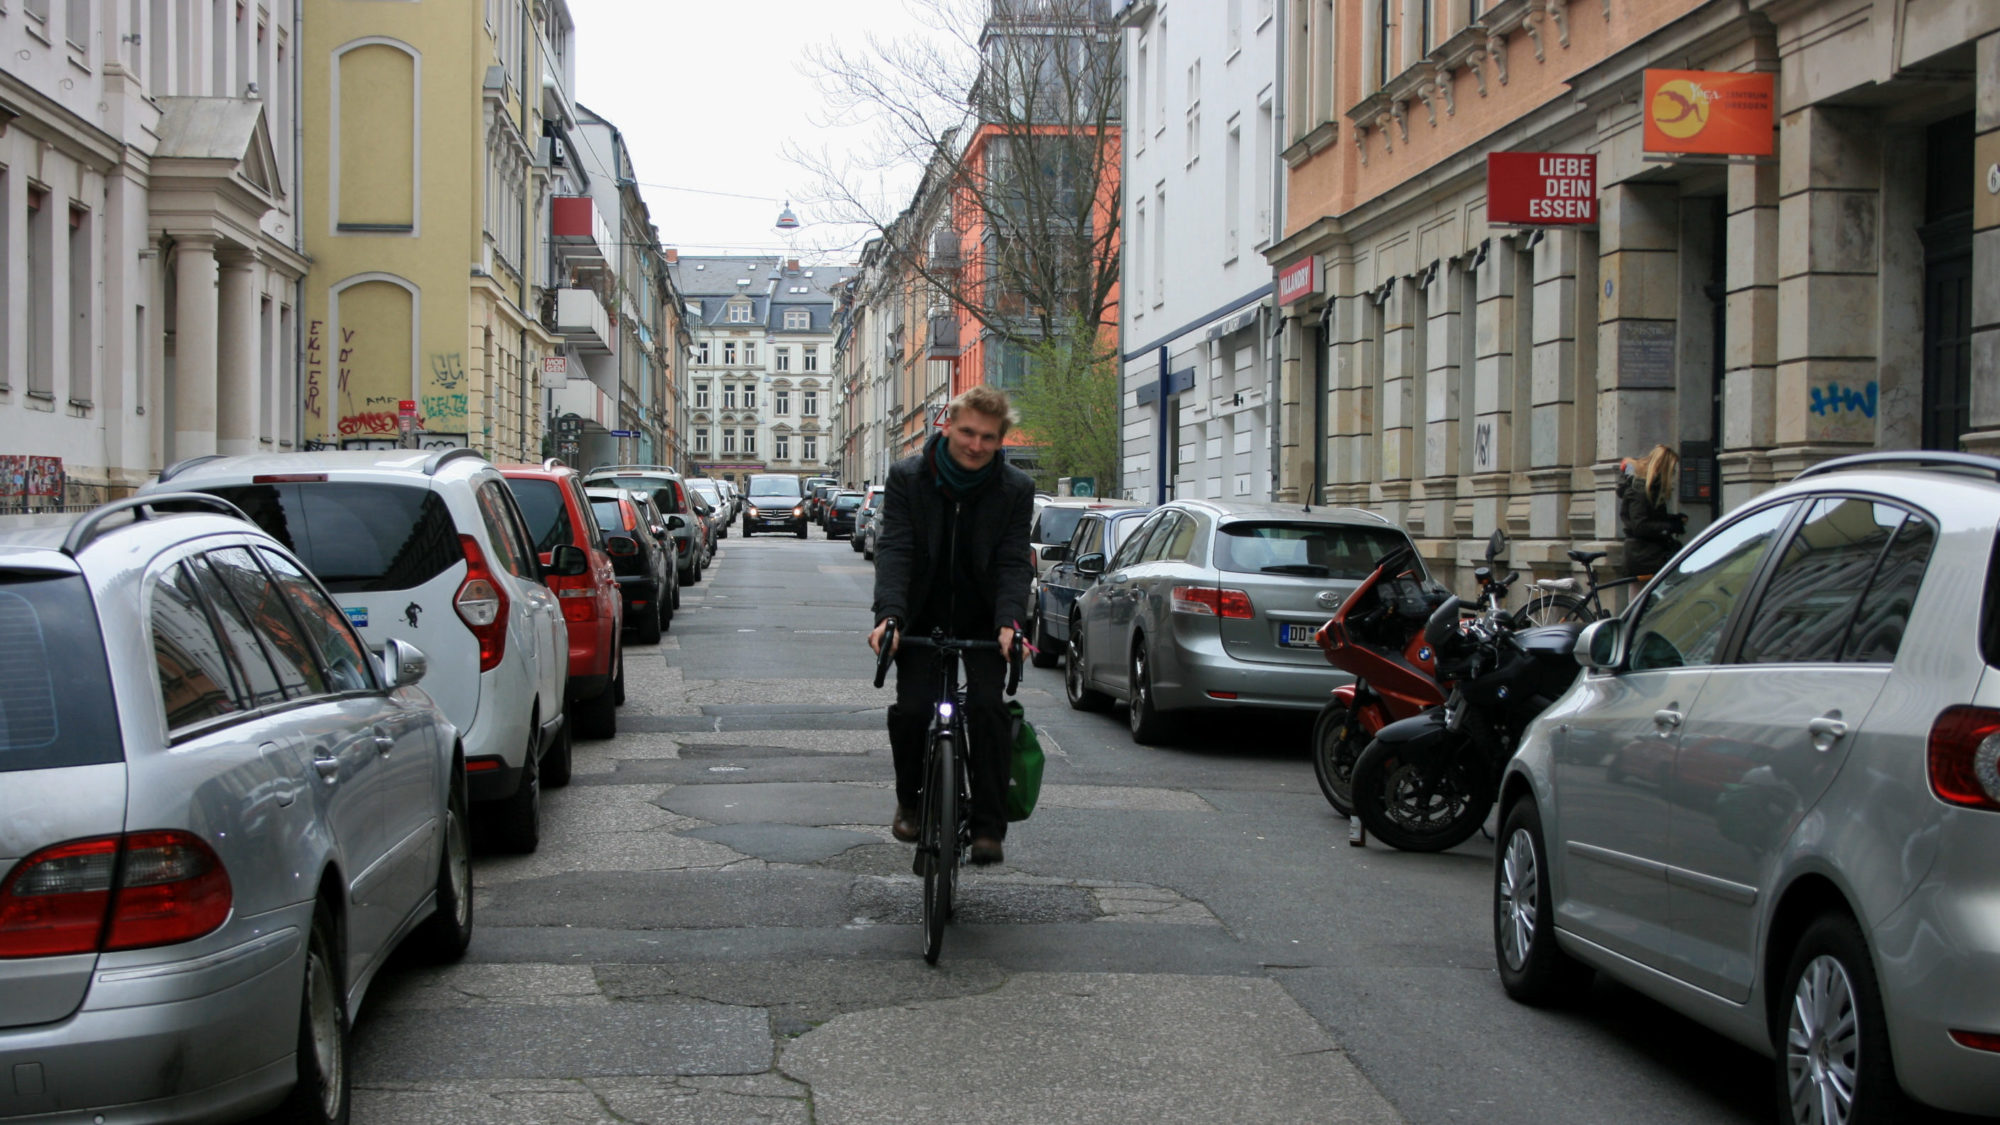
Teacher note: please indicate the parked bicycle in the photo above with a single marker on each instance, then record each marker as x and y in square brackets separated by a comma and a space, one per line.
[945, 834]
[1563, 599]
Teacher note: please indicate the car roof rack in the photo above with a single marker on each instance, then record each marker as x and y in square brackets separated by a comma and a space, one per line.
[443, 457]
[88, 528]
[622, 468]
[1975, 463]
[175, 469]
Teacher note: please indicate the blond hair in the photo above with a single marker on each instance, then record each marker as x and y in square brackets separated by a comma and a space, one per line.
[988, 400]
[1659, 473]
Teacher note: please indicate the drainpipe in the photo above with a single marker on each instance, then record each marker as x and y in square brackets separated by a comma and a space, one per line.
[527, 241]
[298, 228]
[1274, 320]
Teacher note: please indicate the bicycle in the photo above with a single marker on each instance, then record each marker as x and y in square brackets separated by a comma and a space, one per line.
[1558, 599]
[946, 829]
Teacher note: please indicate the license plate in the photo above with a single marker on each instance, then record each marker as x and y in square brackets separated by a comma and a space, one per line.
[1298, 636]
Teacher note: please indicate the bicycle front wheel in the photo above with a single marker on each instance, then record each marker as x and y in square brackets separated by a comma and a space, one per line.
[939, 842]
[1550, 609]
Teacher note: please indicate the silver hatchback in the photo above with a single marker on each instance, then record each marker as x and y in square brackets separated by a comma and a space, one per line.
[218, 816]
[1213, 604]
[1773, 801]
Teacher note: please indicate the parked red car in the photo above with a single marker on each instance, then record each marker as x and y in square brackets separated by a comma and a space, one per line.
[558, 514]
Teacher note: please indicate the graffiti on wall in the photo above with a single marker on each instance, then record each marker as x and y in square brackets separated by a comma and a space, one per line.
[25, 480]
[446, 408]
[315, 366]
[1836, 399]
[1838, 411]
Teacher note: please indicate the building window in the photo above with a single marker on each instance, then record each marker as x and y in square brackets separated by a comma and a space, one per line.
[41, 279]
[701, 439]
[1194, 112]
[811, 353]
[729, 353]
[798, 318]
[739, 313]
[749, 353]
[749, 396]
[781, 402]
[701, 353]
[82, 357]
[784, 356]
[729, 396]
[701, 396]
[1385, 30]
[809, 403]
[750, 443]
[728, 442]
[809, 447]
[783, 446]
[1232, 192]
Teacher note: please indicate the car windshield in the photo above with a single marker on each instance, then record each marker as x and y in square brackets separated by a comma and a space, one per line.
[357, 537]
[56, 707]
[661, 489]
[542, 506]
[609, 516]
[847, 503]
[1313, 550]
[1058, 524]
[774, 488]
[706, 491]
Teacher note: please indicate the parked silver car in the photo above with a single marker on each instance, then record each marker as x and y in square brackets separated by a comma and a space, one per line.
[1073, 568]
[218, 817]
[1772, 802]
[1213, 604]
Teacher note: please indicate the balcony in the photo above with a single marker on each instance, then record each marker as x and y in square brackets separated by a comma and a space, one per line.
[580, 317]
[578, 231]
[943, 338]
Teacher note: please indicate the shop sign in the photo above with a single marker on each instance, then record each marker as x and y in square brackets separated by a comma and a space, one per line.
[1709, 113]
[555, 371]
[1541, 188]
[1301, 279]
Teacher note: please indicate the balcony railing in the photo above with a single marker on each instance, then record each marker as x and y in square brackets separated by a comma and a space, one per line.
[580, 316]
[578, 231]
[943, 338]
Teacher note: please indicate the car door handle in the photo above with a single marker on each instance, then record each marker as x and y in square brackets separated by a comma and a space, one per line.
[1825, 732]
[1667, 720]
[384, 741]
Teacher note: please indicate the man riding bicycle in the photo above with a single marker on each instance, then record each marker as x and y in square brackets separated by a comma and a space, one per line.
[952, 554]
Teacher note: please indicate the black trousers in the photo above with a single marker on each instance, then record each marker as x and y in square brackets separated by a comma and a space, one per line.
[917, 688]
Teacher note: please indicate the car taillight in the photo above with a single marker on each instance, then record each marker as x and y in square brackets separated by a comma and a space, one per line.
[1964, 757]
[482, 605]
[1211, 602]
[85, 896]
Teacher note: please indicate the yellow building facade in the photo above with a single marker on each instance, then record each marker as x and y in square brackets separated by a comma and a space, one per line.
[426, 190]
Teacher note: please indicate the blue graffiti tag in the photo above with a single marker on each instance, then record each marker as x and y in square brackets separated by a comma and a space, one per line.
[1834, 398]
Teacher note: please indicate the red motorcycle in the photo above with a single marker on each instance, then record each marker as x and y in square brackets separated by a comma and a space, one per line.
[1377, 634]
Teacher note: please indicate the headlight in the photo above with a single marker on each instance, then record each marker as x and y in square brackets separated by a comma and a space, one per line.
[799, 511]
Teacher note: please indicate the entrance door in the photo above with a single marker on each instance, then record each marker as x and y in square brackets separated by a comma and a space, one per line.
[1947, 238]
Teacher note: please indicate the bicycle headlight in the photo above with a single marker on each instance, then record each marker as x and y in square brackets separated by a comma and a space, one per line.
[945, 711]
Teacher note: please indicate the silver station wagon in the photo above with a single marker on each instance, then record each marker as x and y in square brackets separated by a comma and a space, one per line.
[1772, 803]
[218, 817]
[1212, 604]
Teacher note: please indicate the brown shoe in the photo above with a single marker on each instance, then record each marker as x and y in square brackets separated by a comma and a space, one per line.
[904, 827]
[986, 850]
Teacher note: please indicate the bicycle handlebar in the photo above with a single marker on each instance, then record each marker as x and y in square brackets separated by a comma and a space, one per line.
[937, 640]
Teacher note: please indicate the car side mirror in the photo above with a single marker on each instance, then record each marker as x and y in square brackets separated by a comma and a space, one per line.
[568, 561]
[620, 546]
[1090, 565]
[403, 664]
[658, 531]
[1600, 647]
[675, 523]
[1055, 552]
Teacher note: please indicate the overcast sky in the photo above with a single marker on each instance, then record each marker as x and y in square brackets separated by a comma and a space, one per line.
[707, 93]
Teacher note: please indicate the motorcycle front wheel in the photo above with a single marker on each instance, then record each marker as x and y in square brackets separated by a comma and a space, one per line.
[1334, 749]
[1418, 809]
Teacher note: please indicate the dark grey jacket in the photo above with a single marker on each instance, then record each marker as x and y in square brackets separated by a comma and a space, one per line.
[911, 552]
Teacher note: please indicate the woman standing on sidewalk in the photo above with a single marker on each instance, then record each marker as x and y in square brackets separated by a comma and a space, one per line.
[1652, 533]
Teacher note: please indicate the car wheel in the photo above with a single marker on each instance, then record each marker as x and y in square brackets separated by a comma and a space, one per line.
[596, 718]
[618, 680]
[1148, 727]
[1832, 1042]
[676, 588]
[868, 553]
[320, 1096]
[518, 819]
[1081, 696]
[1044, 652]
[802, 531]
[448, 931]
[648, 625]
[556, 761]
[1533, 969]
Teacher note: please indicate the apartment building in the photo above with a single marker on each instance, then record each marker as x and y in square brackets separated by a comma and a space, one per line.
[1760, 309]
[149, 230]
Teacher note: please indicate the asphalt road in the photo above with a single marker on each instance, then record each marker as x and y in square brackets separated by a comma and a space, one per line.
[718, 927]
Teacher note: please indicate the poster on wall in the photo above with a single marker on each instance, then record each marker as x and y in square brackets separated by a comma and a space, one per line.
[1709, 113]
[30, 481]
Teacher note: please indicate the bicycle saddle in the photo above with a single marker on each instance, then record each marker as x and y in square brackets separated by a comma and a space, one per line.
[1586, 557]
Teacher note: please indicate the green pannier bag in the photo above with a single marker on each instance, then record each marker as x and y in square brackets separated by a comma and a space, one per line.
[1024, 772]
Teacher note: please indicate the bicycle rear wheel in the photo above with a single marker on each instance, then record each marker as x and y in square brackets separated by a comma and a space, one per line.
[1550, 609]
[939, 842]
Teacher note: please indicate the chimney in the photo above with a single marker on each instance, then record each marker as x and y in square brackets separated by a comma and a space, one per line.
[791, 265]
[673, 255]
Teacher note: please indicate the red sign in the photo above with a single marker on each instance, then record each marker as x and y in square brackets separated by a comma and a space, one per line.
[1541, 189]
[1302, 278]
[407, 406]
[1709, 112]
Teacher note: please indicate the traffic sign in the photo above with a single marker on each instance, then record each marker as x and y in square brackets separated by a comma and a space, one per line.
[624, 433]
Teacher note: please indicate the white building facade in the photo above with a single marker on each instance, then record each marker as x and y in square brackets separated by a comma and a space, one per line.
[149, 260]
[1202, 199]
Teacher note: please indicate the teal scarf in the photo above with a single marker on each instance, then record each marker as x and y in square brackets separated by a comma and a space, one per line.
[955, 482]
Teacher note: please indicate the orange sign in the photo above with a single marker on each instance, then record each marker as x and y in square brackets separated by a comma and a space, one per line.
[1709, 112]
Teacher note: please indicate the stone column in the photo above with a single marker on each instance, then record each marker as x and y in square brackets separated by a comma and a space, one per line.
[1637, 321]
[239, 347]
[1493, 375]
[1351, 466]
[1985, 435]
[1444, 329]
[1829, 288]
[1295, 412]
[1750, 334]
[1552, 387]
[1401, 361]
[194, 346]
